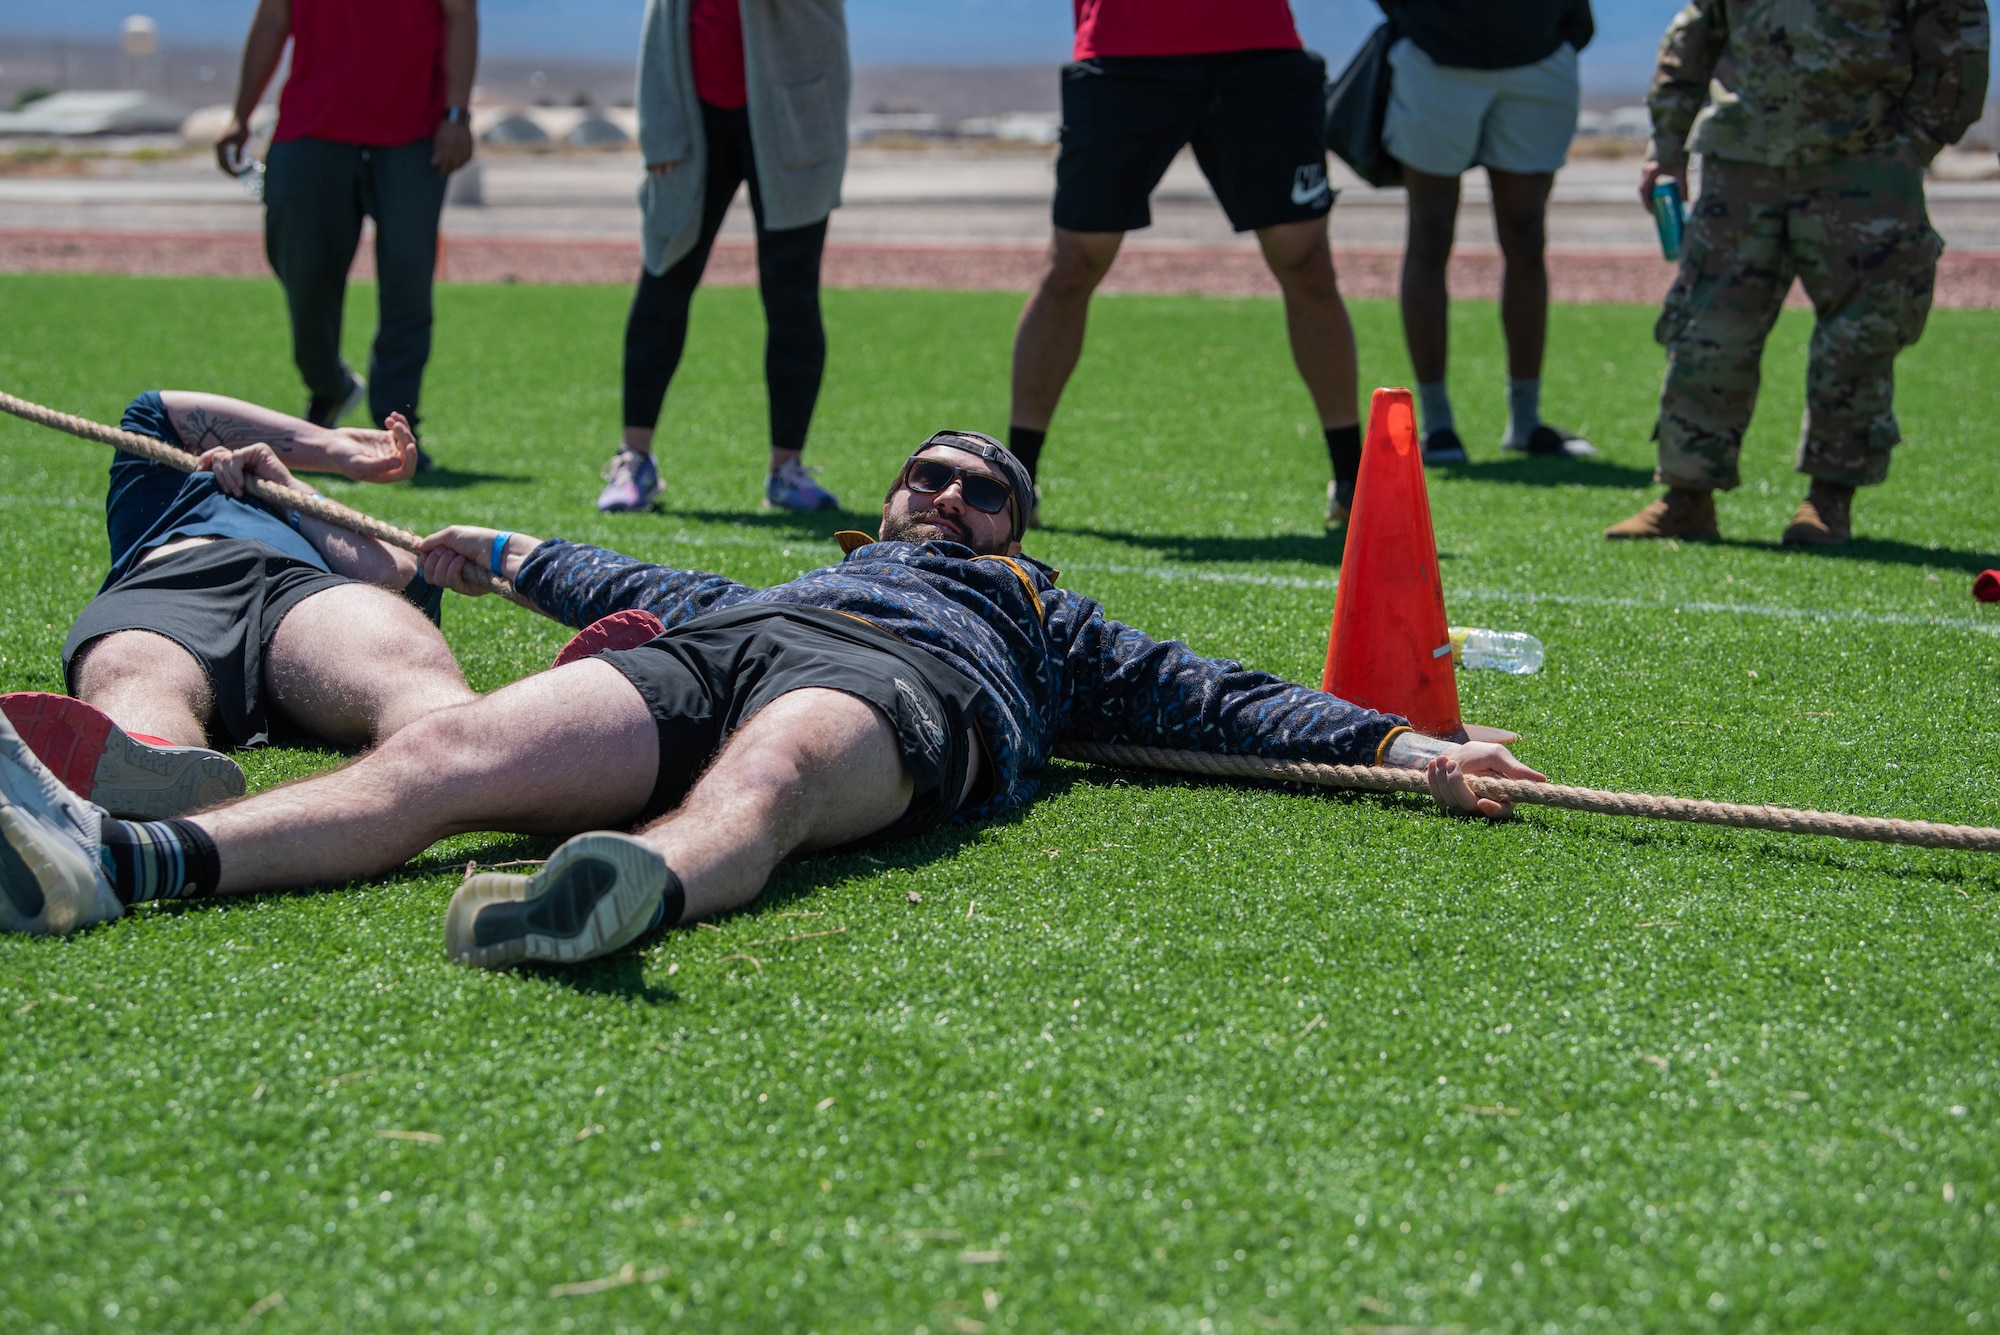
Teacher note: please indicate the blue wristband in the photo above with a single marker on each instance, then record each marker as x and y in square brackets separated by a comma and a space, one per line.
[499, 552]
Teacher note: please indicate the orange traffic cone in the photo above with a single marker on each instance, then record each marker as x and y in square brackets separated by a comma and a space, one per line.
[1389, 649]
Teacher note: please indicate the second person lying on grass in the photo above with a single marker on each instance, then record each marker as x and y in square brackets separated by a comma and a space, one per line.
[926, 677]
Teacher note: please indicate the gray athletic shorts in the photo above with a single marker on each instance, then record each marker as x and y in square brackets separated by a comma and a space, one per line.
[1443, 119]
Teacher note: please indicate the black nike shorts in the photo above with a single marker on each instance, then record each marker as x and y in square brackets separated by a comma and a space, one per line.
[1257, 120]
[705, 678]
[222, 602]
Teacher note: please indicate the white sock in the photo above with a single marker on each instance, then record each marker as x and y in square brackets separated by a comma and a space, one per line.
[1436, 405]
[1524, 409]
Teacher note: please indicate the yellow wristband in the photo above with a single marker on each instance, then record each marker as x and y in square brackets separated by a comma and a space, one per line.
[1383, 749]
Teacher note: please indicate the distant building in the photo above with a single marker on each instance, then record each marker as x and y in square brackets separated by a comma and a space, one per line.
[94, 113]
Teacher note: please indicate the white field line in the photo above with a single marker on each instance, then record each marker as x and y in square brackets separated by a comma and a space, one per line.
[1184, 573]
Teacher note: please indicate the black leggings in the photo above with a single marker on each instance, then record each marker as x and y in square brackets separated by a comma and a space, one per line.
[787, 278]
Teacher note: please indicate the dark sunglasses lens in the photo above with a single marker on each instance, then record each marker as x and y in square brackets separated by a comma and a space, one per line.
[985, 494]
[928, 476]
[988, 495]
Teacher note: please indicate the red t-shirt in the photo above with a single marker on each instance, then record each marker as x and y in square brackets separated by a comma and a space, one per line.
[1181, 27]
[715, 40]
[364, 71]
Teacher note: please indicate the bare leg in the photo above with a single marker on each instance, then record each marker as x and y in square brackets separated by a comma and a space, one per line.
[1049, 340]
[1433, 225]
[357, 664]
[567, 750]
[1315, 317]
[147, 684]
[813, 769]
[1520, 210]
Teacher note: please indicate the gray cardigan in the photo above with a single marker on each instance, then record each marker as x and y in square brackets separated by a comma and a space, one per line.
[795, 65]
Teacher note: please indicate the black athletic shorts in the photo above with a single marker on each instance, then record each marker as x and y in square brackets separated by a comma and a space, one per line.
[222, 602]
[707, 677]
[1257, 120]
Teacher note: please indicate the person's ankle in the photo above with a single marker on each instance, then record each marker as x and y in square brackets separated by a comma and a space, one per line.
[1825, 489]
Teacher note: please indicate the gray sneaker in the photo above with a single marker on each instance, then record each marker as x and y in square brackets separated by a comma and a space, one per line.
[600, 892]
[631, 482]
[51, 881]
[794, 488]
[1551, 441]
[328, 412]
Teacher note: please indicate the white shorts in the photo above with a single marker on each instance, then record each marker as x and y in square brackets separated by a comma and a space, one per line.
[1443, 119]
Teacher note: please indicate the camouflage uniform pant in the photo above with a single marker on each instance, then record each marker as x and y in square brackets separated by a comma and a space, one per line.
[1856, 234]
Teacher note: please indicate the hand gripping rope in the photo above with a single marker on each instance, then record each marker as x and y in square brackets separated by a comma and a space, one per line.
[276, 497]
[1370, 778]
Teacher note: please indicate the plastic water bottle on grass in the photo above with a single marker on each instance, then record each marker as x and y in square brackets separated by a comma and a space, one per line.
[1513, 651]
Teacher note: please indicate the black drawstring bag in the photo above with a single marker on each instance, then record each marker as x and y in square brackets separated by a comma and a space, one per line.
[1356, 105]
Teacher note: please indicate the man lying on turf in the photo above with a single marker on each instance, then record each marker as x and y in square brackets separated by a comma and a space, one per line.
[927, 676]
[218, 615]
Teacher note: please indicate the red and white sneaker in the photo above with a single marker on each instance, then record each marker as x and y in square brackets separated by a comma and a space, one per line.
[130, 775]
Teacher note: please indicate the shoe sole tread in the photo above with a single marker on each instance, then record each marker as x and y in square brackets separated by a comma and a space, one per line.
[617, 919]
[100, 762]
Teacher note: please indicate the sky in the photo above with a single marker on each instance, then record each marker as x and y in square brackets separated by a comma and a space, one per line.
[928, 32]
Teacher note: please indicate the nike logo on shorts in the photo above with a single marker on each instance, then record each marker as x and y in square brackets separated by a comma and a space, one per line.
[1309, 184]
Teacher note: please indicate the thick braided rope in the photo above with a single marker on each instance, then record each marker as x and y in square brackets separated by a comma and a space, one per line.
[279, 498]
[1382, 779]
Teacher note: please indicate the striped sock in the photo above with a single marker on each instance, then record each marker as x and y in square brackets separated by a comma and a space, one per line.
[163, 859]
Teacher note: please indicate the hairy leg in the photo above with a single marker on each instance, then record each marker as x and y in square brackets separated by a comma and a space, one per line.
[147, 684]
[567, 750]
[1433, 225]
[813, 769]
[1520, 214]
[357, 664]
[1049, 339]
[1315, 317]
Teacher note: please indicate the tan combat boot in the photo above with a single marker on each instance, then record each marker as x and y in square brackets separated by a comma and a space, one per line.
[1824, 517]
[1678, 514]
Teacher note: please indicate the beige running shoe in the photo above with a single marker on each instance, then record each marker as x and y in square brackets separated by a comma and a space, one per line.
[598, 893]
[1824, 518]
[1678, 514]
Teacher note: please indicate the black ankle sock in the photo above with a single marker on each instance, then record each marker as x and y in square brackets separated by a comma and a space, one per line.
[1343, 447]
[673, 903]
[1025, 443]
[163, 859]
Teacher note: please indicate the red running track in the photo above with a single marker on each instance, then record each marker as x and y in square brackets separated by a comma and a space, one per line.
[1966, 279]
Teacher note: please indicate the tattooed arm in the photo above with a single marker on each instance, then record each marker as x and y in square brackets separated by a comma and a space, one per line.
[346, 553]
[209, 421]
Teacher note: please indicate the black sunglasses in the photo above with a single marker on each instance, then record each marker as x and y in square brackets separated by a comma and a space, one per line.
[982, 491]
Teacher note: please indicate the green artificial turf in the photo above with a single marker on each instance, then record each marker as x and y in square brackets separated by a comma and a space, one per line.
[1153, 1055]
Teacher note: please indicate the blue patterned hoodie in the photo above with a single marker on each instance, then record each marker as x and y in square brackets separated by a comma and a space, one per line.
[1050, 664]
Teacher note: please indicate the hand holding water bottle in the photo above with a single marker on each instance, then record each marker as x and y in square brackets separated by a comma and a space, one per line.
[233, 155]
[233, 147]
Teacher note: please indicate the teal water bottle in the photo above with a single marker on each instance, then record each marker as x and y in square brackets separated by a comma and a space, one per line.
[1669, 216]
